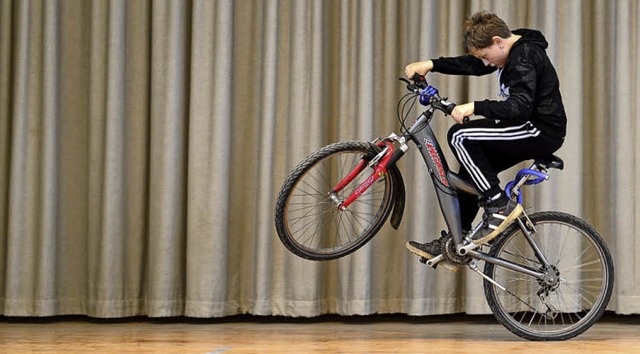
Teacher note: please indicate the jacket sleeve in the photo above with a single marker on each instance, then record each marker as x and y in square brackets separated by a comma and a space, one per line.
[462, 65]
[519, 90]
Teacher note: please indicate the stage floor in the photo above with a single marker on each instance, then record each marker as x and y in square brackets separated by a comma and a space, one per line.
[326, 334]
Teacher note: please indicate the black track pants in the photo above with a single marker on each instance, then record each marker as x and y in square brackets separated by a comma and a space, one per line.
[485, 148]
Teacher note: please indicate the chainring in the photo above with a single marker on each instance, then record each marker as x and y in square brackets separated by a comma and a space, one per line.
[450, 254]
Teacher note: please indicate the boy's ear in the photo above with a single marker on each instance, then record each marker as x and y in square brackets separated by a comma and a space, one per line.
[497, 40]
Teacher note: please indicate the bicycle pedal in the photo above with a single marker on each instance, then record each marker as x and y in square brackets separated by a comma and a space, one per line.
[426, 262]
[433, 265]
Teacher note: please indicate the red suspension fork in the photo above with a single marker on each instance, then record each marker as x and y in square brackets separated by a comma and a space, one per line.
[348, 178]
[379, 171]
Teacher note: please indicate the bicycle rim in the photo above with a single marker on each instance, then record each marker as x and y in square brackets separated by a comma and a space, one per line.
[314, 223]
[537, 310]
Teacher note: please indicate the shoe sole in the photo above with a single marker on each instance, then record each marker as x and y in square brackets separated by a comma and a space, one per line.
[511, 218]
[448, 266]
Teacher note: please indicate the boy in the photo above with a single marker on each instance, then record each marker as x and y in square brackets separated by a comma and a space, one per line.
[530, 122]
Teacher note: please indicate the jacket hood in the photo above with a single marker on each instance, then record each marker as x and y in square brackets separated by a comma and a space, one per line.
[532, 37]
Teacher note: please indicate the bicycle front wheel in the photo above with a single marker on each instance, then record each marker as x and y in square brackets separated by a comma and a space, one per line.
[308, 220]
[576, 288]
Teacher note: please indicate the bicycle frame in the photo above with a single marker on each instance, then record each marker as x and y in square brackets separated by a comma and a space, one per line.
[447, 184]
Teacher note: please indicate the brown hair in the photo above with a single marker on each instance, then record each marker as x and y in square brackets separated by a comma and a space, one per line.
[480, 28]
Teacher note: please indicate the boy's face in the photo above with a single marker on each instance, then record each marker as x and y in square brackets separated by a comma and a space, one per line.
[494, 55]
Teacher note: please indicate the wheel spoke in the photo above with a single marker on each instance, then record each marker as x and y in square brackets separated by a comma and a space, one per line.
[309, 221]
[558, 306]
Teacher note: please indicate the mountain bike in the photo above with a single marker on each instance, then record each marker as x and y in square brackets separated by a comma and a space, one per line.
[547, 276]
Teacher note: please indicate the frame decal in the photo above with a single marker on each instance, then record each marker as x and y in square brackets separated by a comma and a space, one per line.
[435, 157]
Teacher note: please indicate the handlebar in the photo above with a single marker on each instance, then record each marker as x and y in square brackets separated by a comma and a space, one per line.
[429, 95]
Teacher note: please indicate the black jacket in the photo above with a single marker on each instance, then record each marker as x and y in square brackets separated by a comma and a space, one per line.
[528, 82]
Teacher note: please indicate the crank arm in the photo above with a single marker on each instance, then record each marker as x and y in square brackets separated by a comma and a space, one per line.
[433, 262]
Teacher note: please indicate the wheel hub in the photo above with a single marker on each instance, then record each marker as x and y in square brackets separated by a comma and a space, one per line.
[335, 199]
[550, 282]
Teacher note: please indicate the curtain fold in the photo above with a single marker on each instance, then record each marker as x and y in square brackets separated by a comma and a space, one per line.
[143, 145]
[624, 136]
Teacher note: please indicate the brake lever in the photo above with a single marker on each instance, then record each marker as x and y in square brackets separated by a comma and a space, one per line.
[411, 87]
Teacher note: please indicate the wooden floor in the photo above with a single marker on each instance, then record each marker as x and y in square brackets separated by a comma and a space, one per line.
[330, 334]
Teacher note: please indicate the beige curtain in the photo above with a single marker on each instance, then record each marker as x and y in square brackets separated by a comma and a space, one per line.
[143, 143]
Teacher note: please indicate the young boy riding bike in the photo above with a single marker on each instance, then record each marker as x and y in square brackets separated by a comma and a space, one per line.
[529, 123]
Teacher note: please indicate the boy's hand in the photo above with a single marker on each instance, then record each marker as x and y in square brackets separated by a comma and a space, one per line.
[420, 67]
[461, 111]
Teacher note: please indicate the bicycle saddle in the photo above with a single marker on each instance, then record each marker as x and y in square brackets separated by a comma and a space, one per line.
[551, 161]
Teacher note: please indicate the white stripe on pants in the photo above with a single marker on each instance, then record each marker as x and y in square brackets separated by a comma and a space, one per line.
[513, 133]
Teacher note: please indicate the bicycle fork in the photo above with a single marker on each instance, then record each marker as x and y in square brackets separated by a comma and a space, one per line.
[379, 163]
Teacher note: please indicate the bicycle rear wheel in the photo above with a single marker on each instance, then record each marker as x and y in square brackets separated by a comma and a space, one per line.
[574, 294]
[310, 224]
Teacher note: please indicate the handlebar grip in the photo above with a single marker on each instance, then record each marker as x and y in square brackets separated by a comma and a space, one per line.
[450, 108]
[420, 80]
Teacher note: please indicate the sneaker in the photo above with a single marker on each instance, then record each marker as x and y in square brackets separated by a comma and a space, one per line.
[431, 250]
[497, 218]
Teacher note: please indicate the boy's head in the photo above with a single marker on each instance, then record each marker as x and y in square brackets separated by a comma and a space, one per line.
[484, 37]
